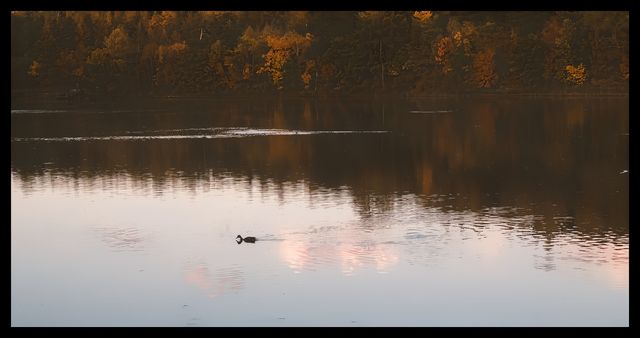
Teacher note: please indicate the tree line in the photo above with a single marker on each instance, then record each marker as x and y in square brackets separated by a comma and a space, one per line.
[324, 53]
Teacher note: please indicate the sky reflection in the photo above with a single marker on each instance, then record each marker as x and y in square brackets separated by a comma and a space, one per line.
[488, 218]
[306, 230]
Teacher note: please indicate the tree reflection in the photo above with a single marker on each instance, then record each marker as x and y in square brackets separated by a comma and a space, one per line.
[550, 157]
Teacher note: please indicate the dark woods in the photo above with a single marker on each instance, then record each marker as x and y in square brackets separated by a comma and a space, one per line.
[318, 53]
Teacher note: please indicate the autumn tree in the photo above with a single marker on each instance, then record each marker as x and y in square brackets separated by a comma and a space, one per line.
[250, 43]
[170, 69]
[291, 45]
[415, 52]
[575, 75]
[110, 64]
[484, 75]
[557, 35]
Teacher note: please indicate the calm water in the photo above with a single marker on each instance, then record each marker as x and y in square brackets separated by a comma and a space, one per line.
[493, 211]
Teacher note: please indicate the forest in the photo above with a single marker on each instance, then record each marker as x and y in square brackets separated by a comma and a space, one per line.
[417, 53]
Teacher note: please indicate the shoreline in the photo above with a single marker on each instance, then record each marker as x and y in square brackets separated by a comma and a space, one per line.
[52, 95]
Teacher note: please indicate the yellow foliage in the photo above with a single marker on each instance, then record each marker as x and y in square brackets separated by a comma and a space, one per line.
[457, 38]
[423, 16]
[117, 43]
[248, 41]
[290, 40]
[281, 48]
[274, 61]
[576, 75]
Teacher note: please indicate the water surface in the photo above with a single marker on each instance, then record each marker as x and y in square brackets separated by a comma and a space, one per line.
[466, 212]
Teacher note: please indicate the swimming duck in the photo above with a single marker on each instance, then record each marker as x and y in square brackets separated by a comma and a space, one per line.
[249, 239]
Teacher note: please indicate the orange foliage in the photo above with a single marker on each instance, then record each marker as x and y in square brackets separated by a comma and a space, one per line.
[576, 75]
[281, 48]
[444, 49]
[274, 61]
[423, 16]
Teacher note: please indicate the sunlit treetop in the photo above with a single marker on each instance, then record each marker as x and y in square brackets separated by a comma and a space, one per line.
[423, 16]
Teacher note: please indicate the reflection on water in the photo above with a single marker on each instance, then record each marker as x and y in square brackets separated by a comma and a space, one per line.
[468, 212]
[216, 133]
[123, 239]
[213, 284]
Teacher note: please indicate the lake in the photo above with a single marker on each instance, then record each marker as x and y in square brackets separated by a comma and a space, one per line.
[489, 211]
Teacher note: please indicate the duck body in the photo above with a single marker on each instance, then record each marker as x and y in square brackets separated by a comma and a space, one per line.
[249, 239]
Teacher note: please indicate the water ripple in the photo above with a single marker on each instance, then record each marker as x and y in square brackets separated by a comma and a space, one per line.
[122, 239]
[216, 133]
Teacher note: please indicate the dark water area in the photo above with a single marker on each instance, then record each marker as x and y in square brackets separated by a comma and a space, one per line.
[435, 212]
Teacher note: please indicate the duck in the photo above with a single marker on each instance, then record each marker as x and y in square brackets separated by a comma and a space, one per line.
[248, 239]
